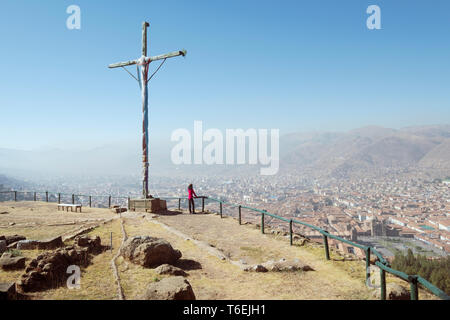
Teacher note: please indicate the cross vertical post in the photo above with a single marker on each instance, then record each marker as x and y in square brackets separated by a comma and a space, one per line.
[144, 88]
[143, 62]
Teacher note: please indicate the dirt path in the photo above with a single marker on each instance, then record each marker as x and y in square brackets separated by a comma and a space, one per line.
[219, 279]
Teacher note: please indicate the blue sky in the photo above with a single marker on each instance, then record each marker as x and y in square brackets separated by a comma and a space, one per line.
[292, 65]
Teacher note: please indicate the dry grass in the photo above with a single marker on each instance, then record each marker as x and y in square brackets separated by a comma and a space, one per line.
[42, 220]
[221, 280]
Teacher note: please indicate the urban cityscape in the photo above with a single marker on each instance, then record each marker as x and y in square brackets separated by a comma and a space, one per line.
[393, 213]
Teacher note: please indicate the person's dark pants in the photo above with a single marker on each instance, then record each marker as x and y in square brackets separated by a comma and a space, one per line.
[191, 205]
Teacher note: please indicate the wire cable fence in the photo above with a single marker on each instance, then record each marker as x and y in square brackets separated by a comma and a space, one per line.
[243, 214]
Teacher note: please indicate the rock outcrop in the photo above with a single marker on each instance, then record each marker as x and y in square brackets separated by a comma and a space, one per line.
[49, 269]
[93, 245]
[149, 252]
[168, 269]
[172, 288]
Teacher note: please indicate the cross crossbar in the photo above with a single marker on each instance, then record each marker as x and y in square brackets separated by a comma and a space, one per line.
[149, 59]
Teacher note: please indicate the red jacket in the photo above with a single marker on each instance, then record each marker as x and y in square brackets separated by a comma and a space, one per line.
[191, 191]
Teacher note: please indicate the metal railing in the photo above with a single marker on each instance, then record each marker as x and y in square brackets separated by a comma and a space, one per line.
[49, 196]
[381, 262]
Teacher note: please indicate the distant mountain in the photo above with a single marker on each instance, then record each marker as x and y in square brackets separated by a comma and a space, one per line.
[438, 157]
[367, 149]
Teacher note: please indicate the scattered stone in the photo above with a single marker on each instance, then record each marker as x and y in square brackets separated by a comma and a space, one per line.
[172, 288]
[2, 246]
[4, 212]
[169, 269]
[40, 245]
[259, 268]
[8, 262]
[93, 244]
[8, 291]
[280, 266]
[118, 210]
[12, 223]
[394, 292]
[149, 252]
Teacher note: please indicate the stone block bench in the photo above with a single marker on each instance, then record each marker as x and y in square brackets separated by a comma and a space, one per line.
[63, 206]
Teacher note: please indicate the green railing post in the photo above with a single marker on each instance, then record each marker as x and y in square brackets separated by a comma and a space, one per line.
[73, 198]
[46, 196]
[128, 203]
[90, 201]
[34, 196]
[15, 195]
[179, 203]
[382, 284]
[220, 209]
[367, 263]
[240, 215]
[414, 288]
[59, 198]
[203, 204]
[262, 223]
[291, 240]
[109, 202]
[325, 244]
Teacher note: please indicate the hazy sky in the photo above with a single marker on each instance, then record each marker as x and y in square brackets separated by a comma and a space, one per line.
[293, 65]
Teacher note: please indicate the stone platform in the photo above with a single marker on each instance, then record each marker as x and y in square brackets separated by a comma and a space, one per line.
[153, 205]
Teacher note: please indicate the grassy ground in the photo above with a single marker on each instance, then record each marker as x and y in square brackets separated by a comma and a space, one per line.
[219, 279]
[216, 279]
[42, 220]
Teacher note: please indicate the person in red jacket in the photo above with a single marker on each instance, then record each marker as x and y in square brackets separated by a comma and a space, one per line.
[191, 195]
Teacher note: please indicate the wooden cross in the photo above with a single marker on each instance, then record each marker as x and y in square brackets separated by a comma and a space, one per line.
[143, 79]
